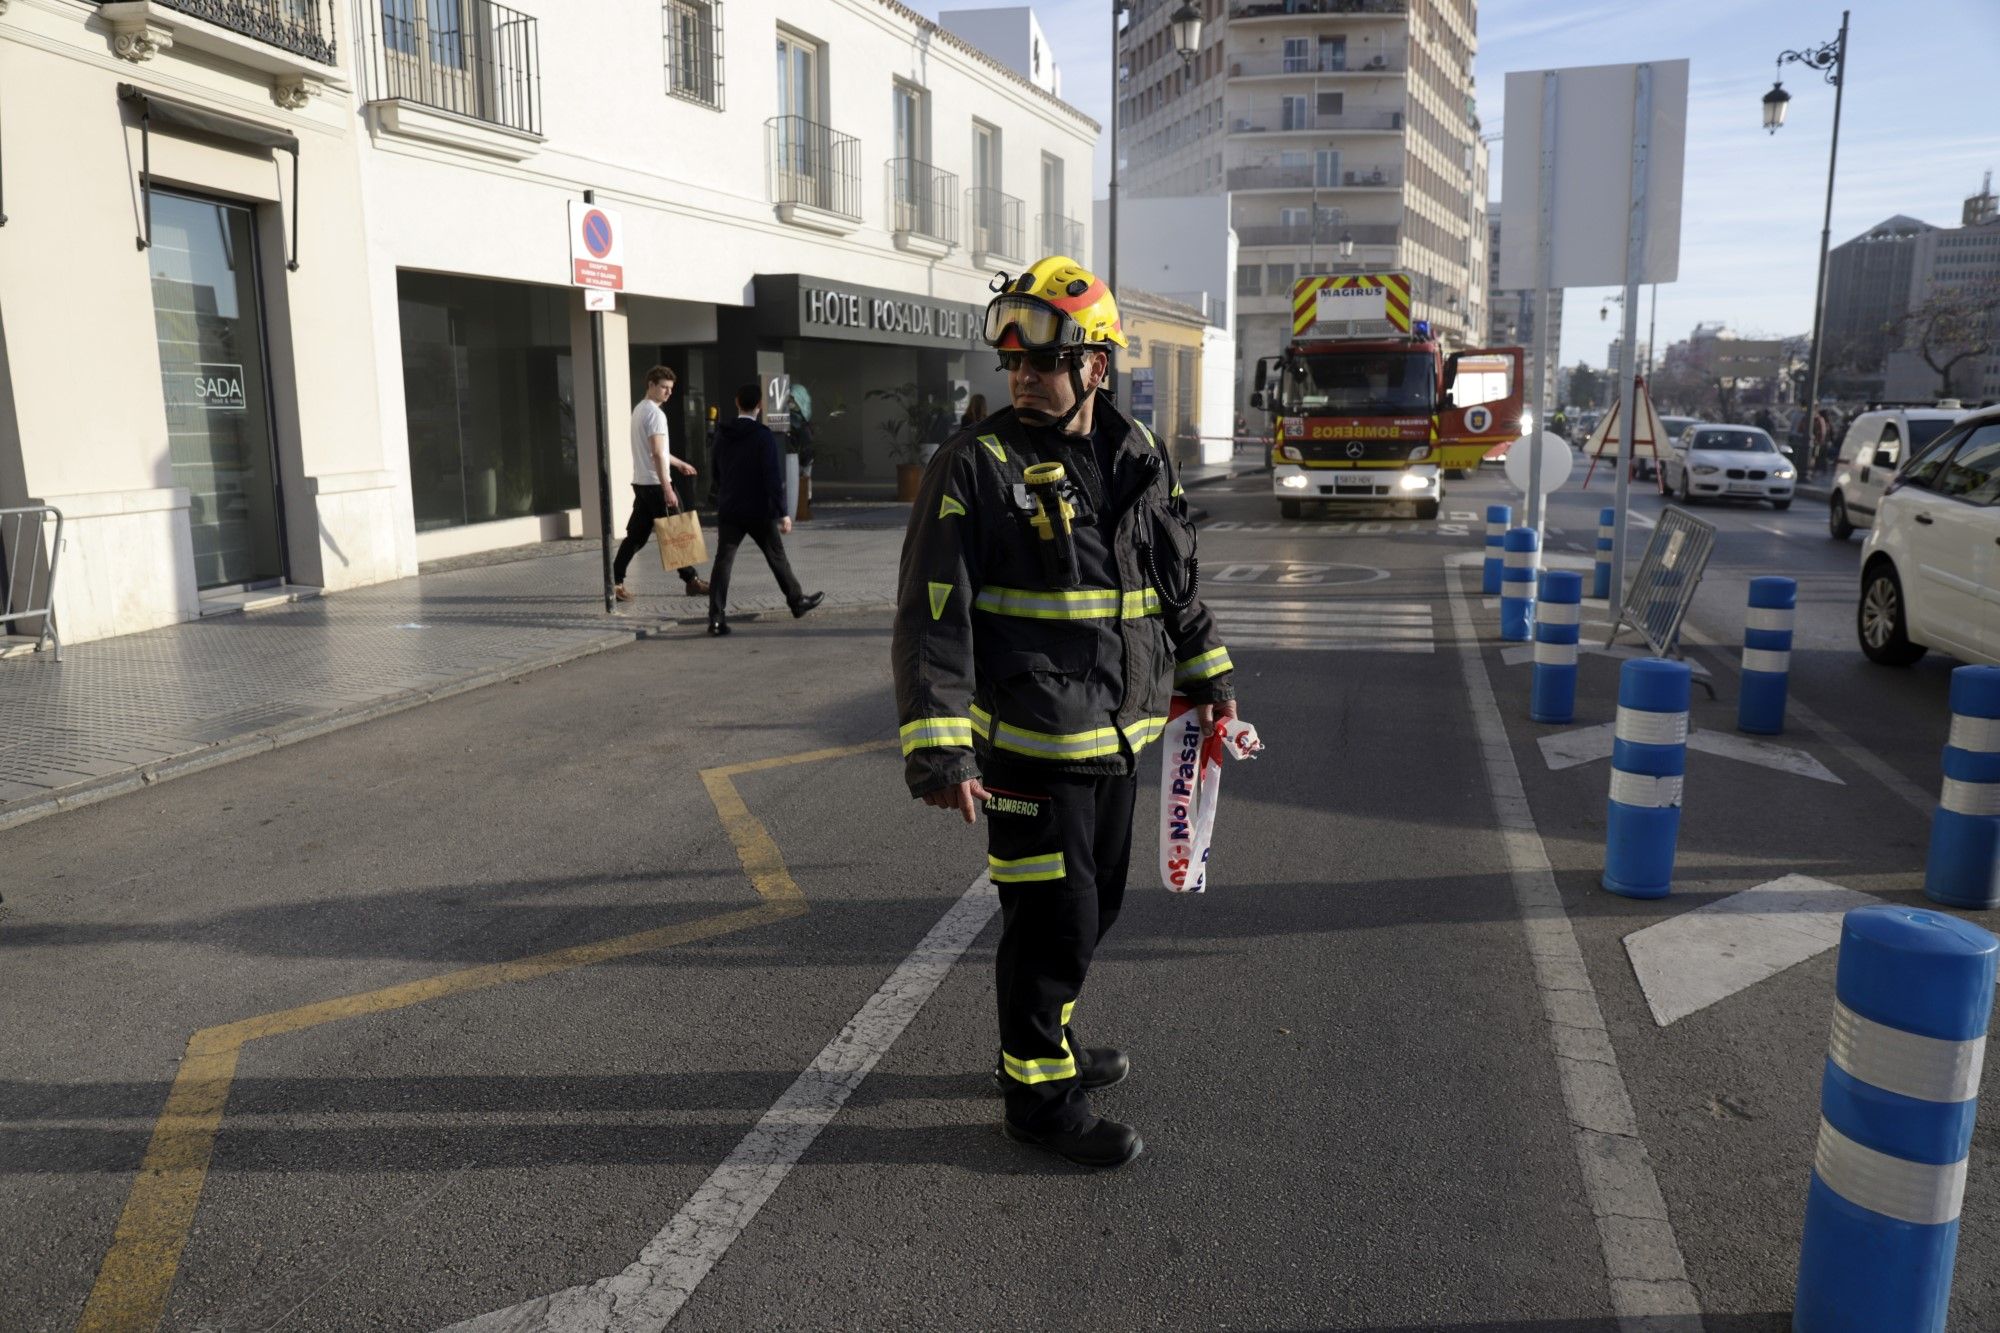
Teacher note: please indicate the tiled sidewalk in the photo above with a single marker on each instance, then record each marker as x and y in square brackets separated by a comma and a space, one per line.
[121, 713]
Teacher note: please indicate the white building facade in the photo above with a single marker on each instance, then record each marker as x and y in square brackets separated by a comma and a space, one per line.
[324, 378]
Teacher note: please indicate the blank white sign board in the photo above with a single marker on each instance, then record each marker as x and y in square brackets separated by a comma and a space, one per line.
[1593, 175]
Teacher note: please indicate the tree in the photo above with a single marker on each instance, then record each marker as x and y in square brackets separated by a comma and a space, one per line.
[1586, 386]
[1952, 325]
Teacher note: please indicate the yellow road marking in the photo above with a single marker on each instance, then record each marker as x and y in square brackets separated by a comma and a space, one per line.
[137, 1275]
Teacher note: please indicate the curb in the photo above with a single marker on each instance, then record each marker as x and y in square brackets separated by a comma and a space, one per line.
[259, 742]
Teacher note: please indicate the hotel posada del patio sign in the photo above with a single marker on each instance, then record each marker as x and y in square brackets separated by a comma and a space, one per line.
[794, 305]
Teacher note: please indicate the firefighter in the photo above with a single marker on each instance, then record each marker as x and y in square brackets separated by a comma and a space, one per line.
[1047, 612]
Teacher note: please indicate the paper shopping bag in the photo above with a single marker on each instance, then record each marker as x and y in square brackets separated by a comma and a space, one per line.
[681, 544]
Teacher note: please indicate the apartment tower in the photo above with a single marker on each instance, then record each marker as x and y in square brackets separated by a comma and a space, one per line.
[1344, 133]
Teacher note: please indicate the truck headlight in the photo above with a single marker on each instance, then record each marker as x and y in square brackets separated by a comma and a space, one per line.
[1291, 452]
[1414, 482]
[1420, 453]
[1295, 482]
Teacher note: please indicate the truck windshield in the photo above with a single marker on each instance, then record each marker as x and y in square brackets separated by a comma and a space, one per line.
[1362, 384]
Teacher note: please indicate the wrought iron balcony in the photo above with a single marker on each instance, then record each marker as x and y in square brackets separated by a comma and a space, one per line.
[1309, 177]
[923, 201]
[1296, 114]
[303, 27]
[997, 226]
[814, 165]
[1328, 232]
[1060, 235]
[472, 58]
[1258, 9]
[1262, 65]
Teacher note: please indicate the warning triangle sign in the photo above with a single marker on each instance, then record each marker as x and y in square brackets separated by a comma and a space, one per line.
[1647, 433]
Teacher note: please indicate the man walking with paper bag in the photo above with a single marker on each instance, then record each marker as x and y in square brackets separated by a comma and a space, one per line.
[750, 502]
[653, 494]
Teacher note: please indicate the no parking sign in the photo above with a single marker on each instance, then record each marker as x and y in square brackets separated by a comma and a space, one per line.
[596, 247]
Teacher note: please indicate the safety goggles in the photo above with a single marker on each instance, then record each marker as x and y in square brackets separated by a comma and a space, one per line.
[1038, 326]
[1042, 363]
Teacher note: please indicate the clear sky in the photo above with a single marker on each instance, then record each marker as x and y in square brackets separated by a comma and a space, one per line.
[1918, 129]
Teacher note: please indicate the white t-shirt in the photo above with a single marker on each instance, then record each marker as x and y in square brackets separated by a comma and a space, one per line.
[648, 420]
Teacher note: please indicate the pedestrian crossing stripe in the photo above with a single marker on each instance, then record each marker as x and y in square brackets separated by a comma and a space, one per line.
[994, 447]
[940, 594]
[1325, 624]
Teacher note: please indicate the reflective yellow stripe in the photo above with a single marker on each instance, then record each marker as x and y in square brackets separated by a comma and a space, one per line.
[936, 733]
[993, 446]
[1043, 744]
[1145, 433]
[1079, 604]
[1026, 869]
[940, 596]
[1211, 663]
[948, 506]
[1039, 1071]
[1045, 604]
[1144, 602]
[1177, 492]
[1068, 1009]
[1144, 732]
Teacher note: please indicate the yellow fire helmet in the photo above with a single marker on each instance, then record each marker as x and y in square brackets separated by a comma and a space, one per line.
[1054, 303]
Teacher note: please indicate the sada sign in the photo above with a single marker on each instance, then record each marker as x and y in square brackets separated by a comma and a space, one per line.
[209, 386]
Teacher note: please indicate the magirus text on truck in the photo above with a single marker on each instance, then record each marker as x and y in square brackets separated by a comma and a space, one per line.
[1367, 406]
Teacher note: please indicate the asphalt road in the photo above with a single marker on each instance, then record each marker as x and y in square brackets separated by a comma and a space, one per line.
[1352, 1093]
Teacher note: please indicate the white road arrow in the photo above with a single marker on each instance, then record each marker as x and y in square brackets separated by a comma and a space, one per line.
[1700, 957]
[1567, 749]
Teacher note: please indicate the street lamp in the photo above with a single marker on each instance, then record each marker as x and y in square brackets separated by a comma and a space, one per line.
[1775, 103]
[1347, 245]
[1830, 60]
[1185, 26]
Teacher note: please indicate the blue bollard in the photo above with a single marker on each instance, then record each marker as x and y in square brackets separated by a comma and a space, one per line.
[1767, 656]
[1964, 869]
[1913, 989]
[1558, 625]
[1648, 761]
[1517, 585]
[1498, 519]
[1600, 584]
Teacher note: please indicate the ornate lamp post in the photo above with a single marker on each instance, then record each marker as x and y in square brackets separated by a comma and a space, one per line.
[1831, 60]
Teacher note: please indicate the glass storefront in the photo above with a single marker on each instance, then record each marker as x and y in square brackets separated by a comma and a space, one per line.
[208, 317]
[489, 391]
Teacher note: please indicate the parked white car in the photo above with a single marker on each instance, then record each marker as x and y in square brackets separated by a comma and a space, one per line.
[1709, 462]
[1875, 444]
[1930, 571]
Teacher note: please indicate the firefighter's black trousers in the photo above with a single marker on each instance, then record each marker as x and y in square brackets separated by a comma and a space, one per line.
[1058, 847]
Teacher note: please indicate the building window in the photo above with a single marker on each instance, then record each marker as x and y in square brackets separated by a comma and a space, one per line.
[1249, 280]
[694, 50]
[488, 390]
[1278, 278]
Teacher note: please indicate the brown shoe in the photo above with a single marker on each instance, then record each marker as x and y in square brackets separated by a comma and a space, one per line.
[620, 593]
[697, 587]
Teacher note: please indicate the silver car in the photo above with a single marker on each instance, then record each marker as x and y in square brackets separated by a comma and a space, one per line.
[1727, 462]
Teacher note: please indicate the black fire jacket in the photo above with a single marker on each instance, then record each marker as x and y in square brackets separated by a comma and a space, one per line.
[992, 656]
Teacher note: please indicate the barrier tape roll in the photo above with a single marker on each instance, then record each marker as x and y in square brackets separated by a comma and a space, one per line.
[1190, 788]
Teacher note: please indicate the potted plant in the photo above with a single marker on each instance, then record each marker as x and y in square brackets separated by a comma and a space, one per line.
[918, 416]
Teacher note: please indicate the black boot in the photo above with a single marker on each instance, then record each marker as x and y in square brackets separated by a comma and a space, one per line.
[1101, 1144]
[717, 626]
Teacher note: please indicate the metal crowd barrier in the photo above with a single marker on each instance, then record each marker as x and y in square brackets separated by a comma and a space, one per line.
[1663, 588]
[28, 571]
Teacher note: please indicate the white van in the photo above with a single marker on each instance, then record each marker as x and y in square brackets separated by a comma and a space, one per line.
[1875, 446]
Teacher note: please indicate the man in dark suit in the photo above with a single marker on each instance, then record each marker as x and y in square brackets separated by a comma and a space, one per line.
[750, 502]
